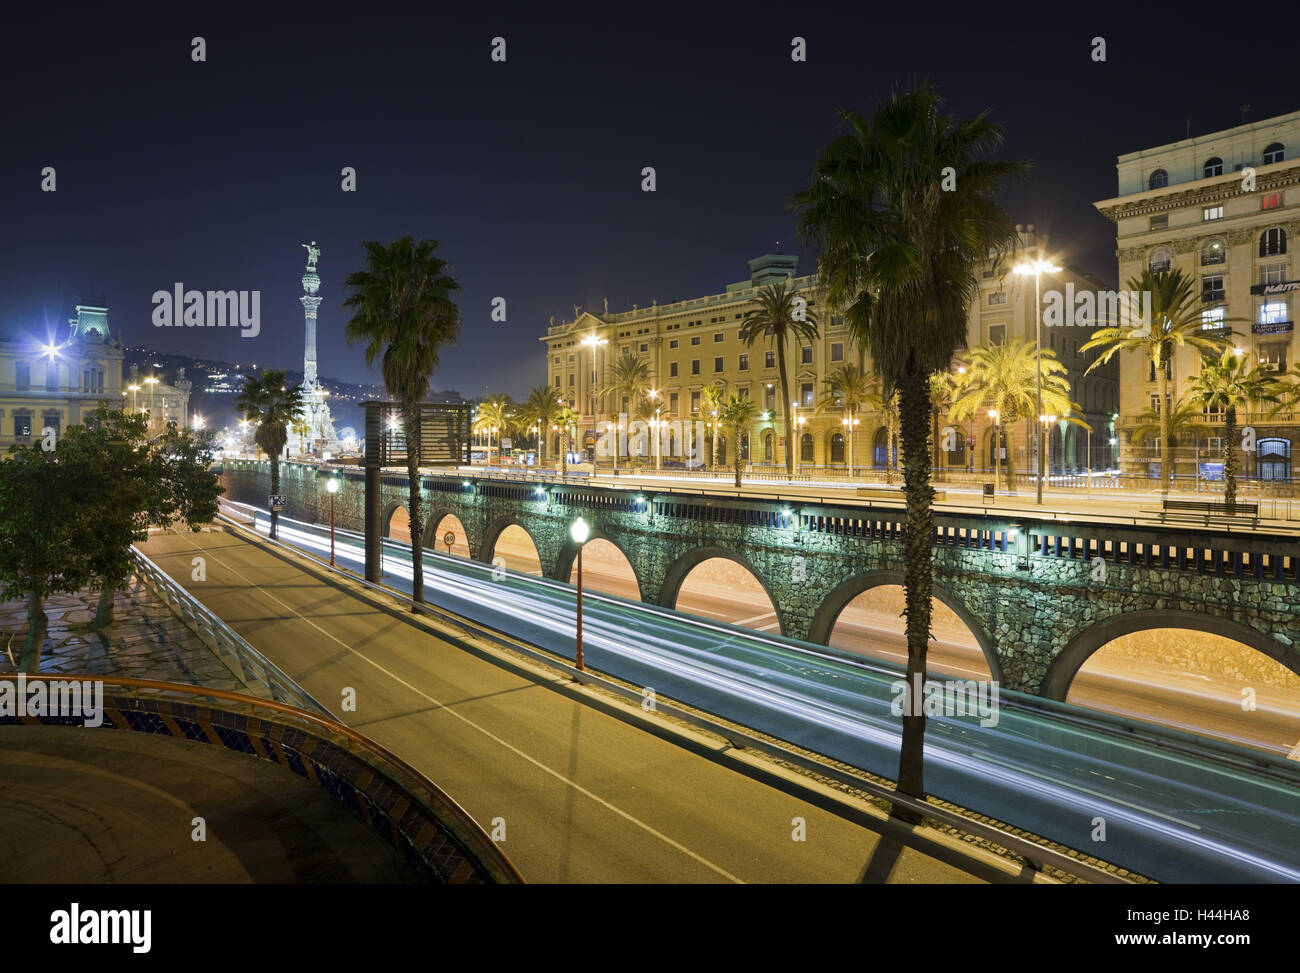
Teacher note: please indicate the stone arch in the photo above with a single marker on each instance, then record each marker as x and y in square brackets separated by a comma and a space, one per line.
[386, 519]
[569, 553]
[681, 567]
[432, 540]
[834, 603]
[1061, 672]
[494, 530]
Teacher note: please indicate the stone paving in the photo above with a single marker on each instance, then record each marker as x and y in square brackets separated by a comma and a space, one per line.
[146, 641]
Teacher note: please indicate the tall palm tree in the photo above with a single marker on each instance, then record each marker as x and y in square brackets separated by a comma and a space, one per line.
[1001, 377]
[886, 406]
[942, 386]
[778, 319]
[848, 389]
[403, 311]
[1176, 321]
[272, 406]
[1186, 419]
[709, 412]
[1224, 385]
[300, 428]
[567, 420]
[629, 379]
[901, 257]
[495, 417]
[539, 409]
[737, 416]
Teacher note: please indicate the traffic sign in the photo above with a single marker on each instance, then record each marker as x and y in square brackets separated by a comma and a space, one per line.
[449, 539]
[277, 501]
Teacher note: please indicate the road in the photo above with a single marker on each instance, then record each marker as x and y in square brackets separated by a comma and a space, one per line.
[583, 796]
[1174, 816]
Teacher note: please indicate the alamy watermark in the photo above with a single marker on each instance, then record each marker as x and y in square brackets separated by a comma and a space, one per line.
[208, 309]
[52, 697]
[1130, 310]
[677, 439]
[957, 697]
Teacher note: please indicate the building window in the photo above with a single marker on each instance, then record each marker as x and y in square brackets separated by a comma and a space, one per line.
[1212, 319]
[769, 400]
[717, 365]
[1273, 355]
[51, 420]
[695, 401]
[1273, 459]
[695, 366]
[571, 378]
[1272, 273]
[571, 358]
[744, 363]
[1272, 317]
[1151, 375]
[718, 336]
[1212, 252]
[767, 447]
[837, 351]
[997, 298]
[1212, 213]
[51, 376]
[837, 448]
[1158, 179]
[672, 369]
[806, 448]
[1272, 243]
[557, 381]
[1212, 288]
[22, 424]
[769, 359]
[673, 343]
[1213, 167]
[1270, 201]
[1275, 152]
[644, 346]
[997, 334]
[1160, 222]
[673, 399]
[806, 395]
[805, 355]
[23, 375]
[1160, 260]
[695, 340]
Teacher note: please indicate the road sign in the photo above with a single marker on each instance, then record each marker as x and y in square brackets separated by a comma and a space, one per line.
[449, 539]
[277, 501]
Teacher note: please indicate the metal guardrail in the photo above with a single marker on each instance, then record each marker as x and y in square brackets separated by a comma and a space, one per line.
[239, 655]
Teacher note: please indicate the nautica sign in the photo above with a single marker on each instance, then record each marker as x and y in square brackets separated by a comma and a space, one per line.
[1285, 287]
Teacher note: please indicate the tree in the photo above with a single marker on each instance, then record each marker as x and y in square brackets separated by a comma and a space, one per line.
[567, 419]
[1186, 419]
[886, 406]
[300, 428]
[1001, 377]
[273, 406]
[904, 207]
[629, 379]
[1176, 321]
[709, 412]
[538, 409]
[849, 389]
[403, 311]
[942, 387]
[495, 417]
[736, 417]
[1224, 385]
[782, 316]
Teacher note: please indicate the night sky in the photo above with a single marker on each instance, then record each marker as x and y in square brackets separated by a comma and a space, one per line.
[529, 172]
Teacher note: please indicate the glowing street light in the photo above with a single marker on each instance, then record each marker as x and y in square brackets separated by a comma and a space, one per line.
[151, 382]
[1038, 268]
[579, 531]
[133, 389]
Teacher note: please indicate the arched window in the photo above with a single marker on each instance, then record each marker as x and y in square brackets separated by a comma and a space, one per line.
[806, 448]
[1273, 459]
[1213, 252]
[1213, 166]
[880, 448]
[1158, 180]
[837, 448]
[767, 447]
[1160, 260]
[1274, 152]
[1272, 243]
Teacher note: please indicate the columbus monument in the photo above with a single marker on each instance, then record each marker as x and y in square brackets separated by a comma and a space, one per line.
[316, 411]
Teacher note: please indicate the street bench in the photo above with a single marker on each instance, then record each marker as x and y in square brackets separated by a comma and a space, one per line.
[1210, 510]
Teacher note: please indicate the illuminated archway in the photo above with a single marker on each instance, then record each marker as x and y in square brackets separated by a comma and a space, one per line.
[396, 521]
[440, 524]
[508, 540]
[605, 568]
[721, 586]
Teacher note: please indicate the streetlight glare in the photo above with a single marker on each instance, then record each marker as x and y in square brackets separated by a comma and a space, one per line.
[579, 531]
[332, 485]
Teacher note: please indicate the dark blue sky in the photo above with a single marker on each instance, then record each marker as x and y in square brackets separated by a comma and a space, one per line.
[528, 172]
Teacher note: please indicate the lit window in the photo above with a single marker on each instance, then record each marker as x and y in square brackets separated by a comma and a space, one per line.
[1160, 260]
[997, 297]
[1272, 273]
[1212, 213]
[1272, 314]
[1212, 319]
[1212, 252]
[1270, 201]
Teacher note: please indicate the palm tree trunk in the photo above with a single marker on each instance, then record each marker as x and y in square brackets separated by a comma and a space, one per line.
[413, 501]
[275, 488]
[37, 624]
[736, 437]
[1230, 447]
[914, 407]
[891, 433]
[785, 409]
[1166, 473]
[1008, 432]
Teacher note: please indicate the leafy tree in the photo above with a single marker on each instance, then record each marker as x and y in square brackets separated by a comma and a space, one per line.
[629, 379]
[567, 419]
[781, 318]
[495, 417]
[1232, 382]
[539, 409]
[904, 205]
[301, 427]
[403, 310]
[849, 389]
[737, 416]
[1176, 321]
[273, 406]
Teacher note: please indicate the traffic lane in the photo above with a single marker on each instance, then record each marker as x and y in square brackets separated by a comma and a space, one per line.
[627, 804]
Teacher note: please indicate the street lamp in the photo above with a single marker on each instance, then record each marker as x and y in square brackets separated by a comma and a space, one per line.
[1038, 268]
[592, 342]
[151, 382]
[659, 442]
[133, 389]
[997, 450]
[579, 531]
[851, 425]
[794, 437]
[332, 487]
[1043, 423]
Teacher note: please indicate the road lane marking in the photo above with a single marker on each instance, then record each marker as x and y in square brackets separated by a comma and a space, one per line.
[486, 732]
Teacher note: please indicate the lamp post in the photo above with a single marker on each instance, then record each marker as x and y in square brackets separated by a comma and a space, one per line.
[851, 424]
[332, 487]
[592, 342]
[579, 532]
[151, 382]
[1043, 423]
[133, 389]
[794, 436]
[997, 451]
[1038, 268]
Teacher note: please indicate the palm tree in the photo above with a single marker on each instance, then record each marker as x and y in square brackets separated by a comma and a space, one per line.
[1186, 419]
[403, 311]
[495, 416]
[848, 389]
[1223, 385]
[901, 256]
[779, 319]
[1176, 313]
[942, 386]
[1001, 377]
[266, 401]
[538, 409]
[736, 416]
[300, 428]
[710, 412]
[876, 401]
[567, 419]
[629, 379]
